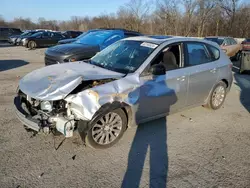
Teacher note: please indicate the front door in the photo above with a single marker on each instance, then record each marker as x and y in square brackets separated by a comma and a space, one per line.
[160, 95]
[202, 69]
[163, 94]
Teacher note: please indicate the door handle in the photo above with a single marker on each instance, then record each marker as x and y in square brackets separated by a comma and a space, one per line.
[213, 70]
[182, 78]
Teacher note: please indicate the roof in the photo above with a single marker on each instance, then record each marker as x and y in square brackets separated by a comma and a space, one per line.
[170, 39]
[221, 37]
[121, 29]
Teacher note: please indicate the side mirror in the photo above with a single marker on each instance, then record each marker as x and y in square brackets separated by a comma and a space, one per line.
[157, 69]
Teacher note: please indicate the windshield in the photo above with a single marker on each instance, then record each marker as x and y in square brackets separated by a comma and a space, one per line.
[36, 34]
[94, 38]
[217, 40]
[123, 56]
[25, 33]
[80, 36]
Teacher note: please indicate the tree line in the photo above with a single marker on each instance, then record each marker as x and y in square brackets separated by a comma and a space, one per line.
[197, 18]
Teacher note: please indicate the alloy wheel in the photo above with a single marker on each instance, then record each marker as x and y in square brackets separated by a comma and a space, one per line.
[218, 96]
[107, 128]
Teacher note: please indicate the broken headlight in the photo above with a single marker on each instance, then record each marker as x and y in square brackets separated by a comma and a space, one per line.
[46, 106]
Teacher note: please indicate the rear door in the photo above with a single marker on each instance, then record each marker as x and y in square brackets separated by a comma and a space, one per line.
[46, 39]
[55, 38]
[202, 69]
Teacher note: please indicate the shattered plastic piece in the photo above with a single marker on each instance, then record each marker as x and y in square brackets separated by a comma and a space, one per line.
[41, 175]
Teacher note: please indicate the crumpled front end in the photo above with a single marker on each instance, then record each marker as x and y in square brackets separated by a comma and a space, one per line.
[56, 97]
[44, 116]
[87, 102]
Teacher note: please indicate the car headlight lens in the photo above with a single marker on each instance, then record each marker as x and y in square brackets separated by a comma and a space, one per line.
[72, 59]
[46, 106]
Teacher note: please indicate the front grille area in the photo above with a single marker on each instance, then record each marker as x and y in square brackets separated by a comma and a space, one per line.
[49, 60]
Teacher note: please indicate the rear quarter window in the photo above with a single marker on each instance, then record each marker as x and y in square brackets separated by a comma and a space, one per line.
[215, 52]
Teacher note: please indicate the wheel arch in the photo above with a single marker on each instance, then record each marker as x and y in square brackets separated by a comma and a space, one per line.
[210, 92]
[84, 126]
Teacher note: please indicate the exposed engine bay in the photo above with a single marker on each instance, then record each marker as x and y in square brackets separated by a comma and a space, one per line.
[55, 115]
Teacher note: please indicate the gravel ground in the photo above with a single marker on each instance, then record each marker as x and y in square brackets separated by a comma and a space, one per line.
[194, 148]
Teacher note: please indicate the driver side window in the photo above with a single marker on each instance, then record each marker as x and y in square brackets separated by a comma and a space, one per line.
[169, 57]
[45, 35]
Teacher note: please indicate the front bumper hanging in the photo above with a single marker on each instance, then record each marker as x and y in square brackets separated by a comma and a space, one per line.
[24, 117]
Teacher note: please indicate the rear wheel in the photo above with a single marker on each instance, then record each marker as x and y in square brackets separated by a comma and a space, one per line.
[107, 130]
[217, 96]
[32, 45]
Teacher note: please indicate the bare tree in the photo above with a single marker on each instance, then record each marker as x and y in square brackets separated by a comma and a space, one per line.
[169, 17]
[204, 9]
[230, 8]
[137, 11]
[188, 20]
[167, 14]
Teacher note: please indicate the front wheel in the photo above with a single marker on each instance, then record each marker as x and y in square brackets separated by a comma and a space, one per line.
[217, 96]
[32, 45]
[107, 130]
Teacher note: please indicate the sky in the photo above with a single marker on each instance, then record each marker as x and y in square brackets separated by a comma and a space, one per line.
[57, 9]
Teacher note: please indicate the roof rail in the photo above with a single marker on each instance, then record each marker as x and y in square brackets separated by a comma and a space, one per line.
[119, 29]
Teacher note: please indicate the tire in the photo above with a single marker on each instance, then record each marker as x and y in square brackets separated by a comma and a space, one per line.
[99, 127]
[32, 45]
[217, 96]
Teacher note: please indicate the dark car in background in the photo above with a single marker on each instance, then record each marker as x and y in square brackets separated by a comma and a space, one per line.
[246, 45]
[15, 39]
[24, 35]
[72, 34]
[6, 32]
[70, 40]
[86, 47]
[42, 39]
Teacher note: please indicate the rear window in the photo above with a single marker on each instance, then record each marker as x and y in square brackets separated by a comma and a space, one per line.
[215, 53]
[4, 29]
[16, 30]
[131, 35]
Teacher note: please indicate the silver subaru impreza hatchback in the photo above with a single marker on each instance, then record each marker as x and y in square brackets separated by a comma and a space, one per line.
[134, 80]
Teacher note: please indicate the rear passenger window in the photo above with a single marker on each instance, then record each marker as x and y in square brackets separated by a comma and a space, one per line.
[214, 52]
[197, 54]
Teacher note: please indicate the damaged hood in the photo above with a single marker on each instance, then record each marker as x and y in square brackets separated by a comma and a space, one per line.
[73, 48]
[55, 82]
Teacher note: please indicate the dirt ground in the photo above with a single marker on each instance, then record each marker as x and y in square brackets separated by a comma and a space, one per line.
[204, 148]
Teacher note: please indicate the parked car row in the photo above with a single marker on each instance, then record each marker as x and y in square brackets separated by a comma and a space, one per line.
[7, 32]
[86, 46]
